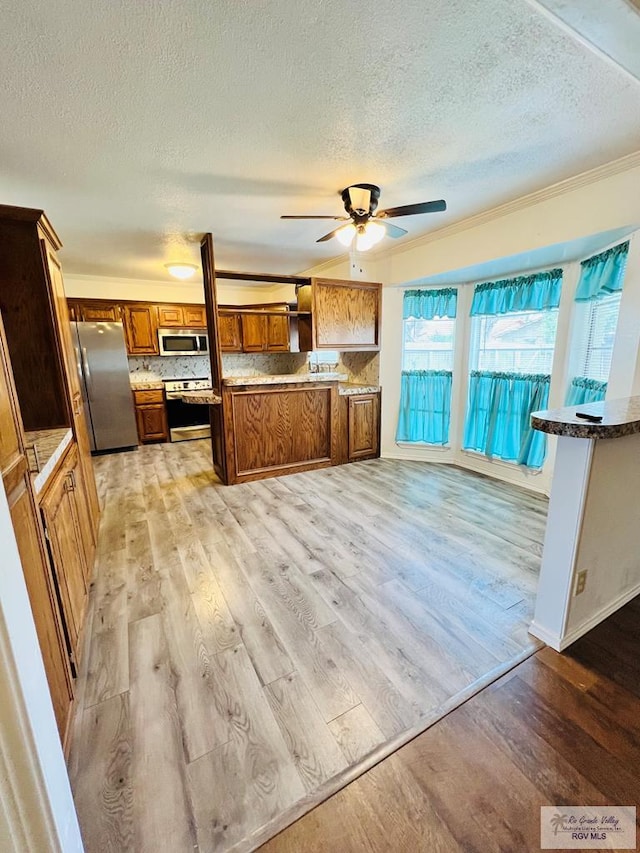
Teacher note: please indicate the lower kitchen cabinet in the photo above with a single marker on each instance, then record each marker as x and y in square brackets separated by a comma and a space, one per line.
[363, 426]
[151, 415]
[61, 507]
[39, 580]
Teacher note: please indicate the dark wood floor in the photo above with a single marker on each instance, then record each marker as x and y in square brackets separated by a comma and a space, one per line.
[557, 730]
[251, 648]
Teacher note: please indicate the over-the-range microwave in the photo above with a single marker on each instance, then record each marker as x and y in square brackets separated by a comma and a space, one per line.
[183, 342]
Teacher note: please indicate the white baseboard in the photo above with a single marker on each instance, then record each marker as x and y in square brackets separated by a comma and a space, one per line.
[560, 643]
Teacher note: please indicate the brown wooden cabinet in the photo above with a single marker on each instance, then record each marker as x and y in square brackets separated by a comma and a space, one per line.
[140, 328]
[60, 511]
[230, 332]
[343, 315]
[182, 316]
[363, 426]
[98, 312]
[262, 332]
[194, 316]
[151, 415]
[31, 547]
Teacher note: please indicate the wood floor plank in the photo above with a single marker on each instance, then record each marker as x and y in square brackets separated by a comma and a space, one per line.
[163, 818]
[143, 581]
[310, 742]
[264, 646]
[102, 787]
[356, 733]
[108, 666]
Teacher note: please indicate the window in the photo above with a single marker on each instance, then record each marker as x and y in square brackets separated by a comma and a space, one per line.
[517, 342]
[598, 322]
[428, 344]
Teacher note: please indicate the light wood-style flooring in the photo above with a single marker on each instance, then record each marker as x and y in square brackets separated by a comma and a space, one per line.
[250, 649]
[557, 730]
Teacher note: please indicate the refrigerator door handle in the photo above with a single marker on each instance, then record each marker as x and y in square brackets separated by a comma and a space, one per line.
[87, 372]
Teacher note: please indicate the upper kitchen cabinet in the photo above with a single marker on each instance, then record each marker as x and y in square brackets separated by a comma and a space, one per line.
[194, 316]
[29, 317]
[343, 315]
[230, 332]
[140, 328]
[181, 317]
[92, 311]
[266, 332]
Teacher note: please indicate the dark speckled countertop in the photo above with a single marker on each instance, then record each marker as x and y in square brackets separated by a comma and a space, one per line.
[619, 418]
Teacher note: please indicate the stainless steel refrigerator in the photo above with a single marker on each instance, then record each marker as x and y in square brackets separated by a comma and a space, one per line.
[101, 356]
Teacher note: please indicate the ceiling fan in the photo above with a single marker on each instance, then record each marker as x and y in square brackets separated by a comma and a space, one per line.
[363, 223]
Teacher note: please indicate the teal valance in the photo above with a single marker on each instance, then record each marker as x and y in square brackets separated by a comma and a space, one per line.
[602, 274]
[427, 304]
[583, 390]
[538, 292]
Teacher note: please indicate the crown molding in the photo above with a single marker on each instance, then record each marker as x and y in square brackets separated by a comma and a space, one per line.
[584, 179]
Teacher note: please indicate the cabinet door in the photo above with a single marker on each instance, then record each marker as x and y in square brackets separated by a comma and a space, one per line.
[346, 314]
[278, 333]
[170, 316]
[83, 511]
[99, 312]
[141, 331]
[230, 332]
[363, 426]
[254, 333]
[194, 316]
[152, 422]
[67, 550]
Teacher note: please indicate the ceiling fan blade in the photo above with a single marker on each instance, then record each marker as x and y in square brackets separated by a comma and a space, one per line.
[412, 209]
[392, 230]
[328, 236]
[314, 217]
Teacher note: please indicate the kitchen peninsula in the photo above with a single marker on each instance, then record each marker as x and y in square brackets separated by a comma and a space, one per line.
[268, 425]
[590, 564]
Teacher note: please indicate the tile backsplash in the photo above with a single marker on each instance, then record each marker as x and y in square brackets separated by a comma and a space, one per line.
[361, 367]
[148, 368]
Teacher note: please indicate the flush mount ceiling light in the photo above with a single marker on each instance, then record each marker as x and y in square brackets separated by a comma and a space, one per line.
[181, 271]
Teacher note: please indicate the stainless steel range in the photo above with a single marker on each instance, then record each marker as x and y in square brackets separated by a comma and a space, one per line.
[186, 420]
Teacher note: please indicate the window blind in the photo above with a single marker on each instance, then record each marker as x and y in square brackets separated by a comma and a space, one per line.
[519, 342]
[594, 347]
[428, 344]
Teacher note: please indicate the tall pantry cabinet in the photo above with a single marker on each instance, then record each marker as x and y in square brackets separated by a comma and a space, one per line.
[56, 523]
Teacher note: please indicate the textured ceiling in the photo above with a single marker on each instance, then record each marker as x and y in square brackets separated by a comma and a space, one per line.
[139, 124]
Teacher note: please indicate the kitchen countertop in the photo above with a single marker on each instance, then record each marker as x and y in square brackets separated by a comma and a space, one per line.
[619, 418]
[346, 389]
[50, 444]
[156, 385]
[204, 396]
[284, 378]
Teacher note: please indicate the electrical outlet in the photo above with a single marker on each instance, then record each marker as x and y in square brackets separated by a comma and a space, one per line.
[581, 581]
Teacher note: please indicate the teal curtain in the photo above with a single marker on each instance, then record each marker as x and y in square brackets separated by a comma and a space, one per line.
[537, 292]
[425, 406]
[583, 390]
[602, 274]
[427, 304]
[498, 421]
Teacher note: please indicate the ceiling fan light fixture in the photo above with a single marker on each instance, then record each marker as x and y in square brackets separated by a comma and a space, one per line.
[346, 234]
[368, 235]
[181, 271]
